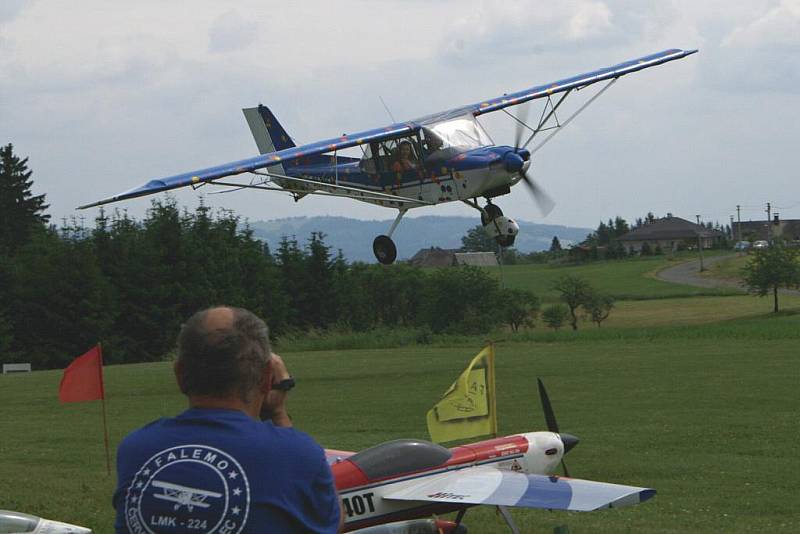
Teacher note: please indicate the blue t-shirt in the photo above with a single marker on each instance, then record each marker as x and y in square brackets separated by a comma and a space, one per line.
[221, 471]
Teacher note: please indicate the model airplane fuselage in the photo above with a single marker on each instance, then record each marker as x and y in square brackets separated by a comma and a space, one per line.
[407, 479]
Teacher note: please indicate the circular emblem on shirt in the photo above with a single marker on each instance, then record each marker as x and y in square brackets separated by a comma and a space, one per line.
[190, 488]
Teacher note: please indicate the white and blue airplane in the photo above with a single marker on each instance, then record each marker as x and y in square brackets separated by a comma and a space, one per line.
[443, 157]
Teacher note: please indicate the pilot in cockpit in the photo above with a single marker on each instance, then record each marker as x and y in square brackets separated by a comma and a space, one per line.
[432, 143]
[404, 158]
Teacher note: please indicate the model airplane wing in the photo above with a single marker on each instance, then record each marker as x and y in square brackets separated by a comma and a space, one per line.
[297, 153]
[488, 485]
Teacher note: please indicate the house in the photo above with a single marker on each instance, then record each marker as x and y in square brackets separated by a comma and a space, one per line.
[670, 234]
[439, 257]
[788, 229]
[433, 257]
[478, 259]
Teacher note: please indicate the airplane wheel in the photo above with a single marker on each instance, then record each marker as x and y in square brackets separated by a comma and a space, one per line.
[492, 212]
[506, 240]
[384, 249]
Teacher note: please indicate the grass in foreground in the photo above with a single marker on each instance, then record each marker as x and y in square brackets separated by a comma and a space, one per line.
[708, 420]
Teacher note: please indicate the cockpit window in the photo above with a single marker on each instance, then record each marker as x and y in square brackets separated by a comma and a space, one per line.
[396, 155]
[463, 132]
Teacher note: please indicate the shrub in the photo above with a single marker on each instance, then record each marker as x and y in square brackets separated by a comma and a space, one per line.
[555, 316]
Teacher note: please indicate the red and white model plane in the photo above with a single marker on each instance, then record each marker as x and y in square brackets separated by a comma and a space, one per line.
[406, 479]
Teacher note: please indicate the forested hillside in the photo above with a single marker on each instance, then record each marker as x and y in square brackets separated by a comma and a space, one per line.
[354, 237]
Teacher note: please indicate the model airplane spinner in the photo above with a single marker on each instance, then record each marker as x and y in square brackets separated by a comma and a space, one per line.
[444, 157]
[395, 484]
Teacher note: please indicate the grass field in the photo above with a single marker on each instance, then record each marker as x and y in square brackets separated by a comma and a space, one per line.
[730, 268]
[696, 396]
[707, 415]
[632, 279]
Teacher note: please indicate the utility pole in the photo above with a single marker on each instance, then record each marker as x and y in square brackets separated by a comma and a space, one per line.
[739, 221]
[769, 221]
[700, 245]
[731, 227]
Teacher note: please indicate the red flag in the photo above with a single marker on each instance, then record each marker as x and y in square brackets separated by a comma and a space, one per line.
[83, 379]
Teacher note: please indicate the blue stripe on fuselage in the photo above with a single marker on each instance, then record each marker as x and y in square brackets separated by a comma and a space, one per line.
[350, 173]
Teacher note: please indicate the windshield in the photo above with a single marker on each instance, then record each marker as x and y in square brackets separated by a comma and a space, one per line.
[463, 132]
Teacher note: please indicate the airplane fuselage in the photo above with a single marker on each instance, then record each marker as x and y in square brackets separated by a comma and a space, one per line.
[447, 176]
[363, 495]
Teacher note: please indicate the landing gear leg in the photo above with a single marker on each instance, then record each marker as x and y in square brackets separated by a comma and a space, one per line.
[383, 246]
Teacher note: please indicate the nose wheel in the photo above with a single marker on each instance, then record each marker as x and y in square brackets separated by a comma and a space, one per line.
[502, 229]
[384, 249]
[489, 213]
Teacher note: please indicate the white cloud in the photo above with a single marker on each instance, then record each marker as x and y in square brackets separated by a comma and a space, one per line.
[231, 32]
[118, 94]
[777, 27]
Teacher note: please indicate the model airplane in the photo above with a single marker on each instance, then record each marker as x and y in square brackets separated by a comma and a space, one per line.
[444, 157]
[405, 480]
[19, 523]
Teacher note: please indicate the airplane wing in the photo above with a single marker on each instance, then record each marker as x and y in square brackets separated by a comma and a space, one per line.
[199, 177]
[263, 161]
[488, 485]
[560, 86]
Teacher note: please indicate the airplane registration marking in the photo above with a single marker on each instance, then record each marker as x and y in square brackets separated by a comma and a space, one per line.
[447, 495]
[358, 504]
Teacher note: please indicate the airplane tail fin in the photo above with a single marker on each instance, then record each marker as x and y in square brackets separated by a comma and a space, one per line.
[267, 131]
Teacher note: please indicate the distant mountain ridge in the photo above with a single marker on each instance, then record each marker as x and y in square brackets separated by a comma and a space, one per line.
[354, 236]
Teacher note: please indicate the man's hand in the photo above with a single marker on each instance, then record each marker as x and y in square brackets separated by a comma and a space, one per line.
[274, 407]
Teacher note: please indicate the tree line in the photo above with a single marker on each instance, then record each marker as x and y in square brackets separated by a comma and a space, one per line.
[130, 283]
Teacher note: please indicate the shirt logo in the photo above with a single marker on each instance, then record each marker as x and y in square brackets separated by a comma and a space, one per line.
[190, 488]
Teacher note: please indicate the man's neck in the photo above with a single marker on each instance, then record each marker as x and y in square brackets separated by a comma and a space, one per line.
[224, 403]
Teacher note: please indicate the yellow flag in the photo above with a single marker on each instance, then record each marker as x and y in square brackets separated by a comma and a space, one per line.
[468, 409]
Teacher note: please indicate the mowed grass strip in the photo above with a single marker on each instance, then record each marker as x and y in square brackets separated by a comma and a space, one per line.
[631, 279]
[709, 422]
[691, 311]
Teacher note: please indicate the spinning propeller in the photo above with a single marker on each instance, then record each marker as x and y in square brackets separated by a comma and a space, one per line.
[568, 440]
[519, 161]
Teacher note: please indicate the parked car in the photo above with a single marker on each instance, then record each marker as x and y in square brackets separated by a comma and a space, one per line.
[761, 244]
[741, 246]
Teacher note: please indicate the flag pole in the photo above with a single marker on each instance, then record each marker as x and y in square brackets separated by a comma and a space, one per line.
[103, 399]
[492, 389]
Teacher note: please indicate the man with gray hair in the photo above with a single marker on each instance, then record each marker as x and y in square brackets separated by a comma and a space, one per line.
[216, 467]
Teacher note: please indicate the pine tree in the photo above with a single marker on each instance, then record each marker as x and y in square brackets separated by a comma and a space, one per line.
[555, 245]
[20, 211]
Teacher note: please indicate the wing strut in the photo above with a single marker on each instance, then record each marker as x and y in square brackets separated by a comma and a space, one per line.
[543, 120]
[343, 190]
[506, 514]
[571, 117]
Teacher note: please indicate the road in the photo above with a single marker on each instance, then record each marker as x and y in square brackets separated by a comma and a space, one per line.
[689, 273]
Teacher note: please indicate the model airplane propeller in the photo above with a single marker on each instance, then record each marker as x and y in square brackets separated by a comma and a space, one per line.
[444, 157]
[400, 484]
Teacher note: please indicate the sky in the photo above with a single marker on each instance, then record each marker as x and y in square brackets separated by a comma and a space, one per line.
[102, 96]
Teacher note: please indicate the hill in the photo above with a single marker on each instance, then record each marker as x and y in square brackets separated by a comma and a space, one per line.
[354, 236]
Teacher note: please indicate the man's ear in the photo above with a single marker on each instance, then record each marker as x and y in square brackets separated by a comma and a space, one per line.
[266, 378]
[177, 367]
